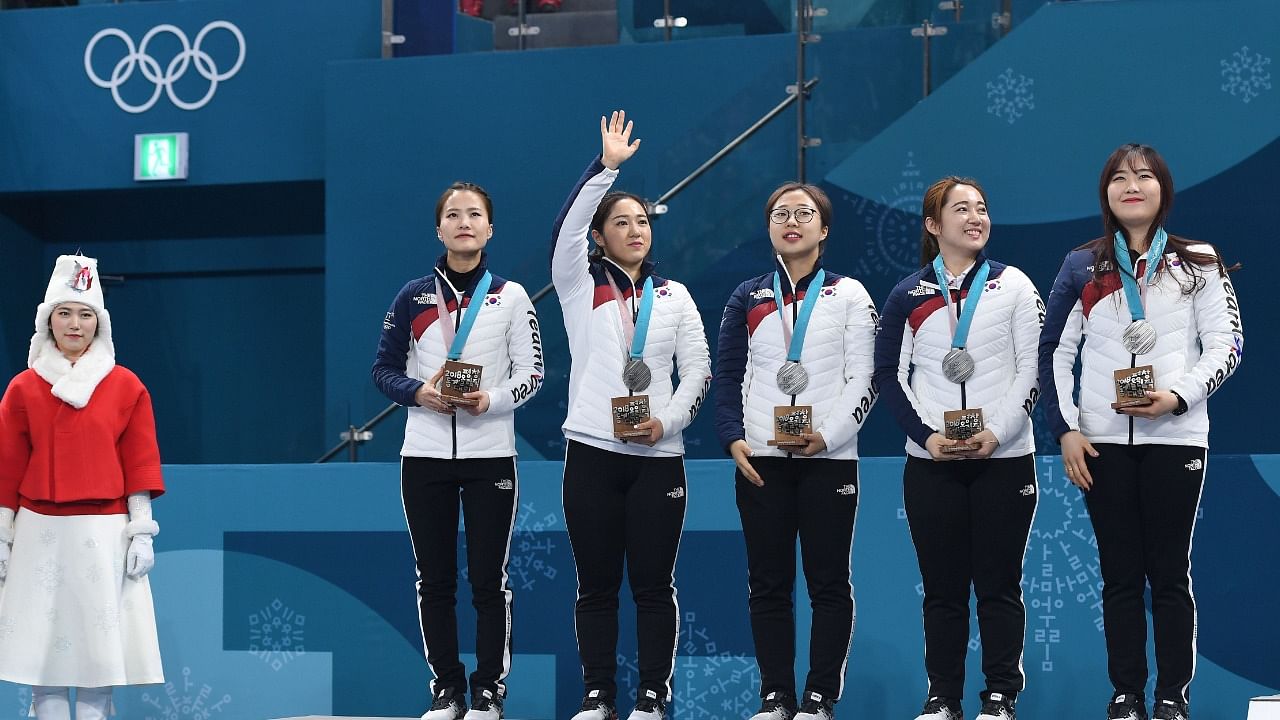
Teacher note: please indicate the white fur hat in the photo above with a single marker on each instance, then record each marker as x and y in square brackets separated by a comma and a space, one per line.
[75, 279]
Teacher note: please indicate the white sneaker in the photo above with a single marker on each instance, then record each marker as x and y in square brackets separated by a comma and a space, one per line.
[776, 706]
[487, 705]
[997, 706]
[446, 706]
[596, 707]
[940, 708]
[816, 707]
[649, 707]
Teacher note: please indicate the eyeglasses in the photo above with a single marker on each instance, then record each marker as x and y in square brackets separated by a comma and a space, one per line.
[782, 215]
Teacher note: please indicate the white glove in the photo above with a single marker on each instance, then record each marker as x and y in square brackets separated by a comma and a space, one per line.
[6, 540]
[141, 557]
[141, 528]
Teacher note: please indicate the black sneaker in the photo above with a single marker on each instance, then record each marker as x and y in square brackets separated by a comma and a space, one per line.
[776, 706]
[448, 704]
[595, 706]
[649, 707]
[1127, 706]
[816, 707]
[485, 705]
[997, 706]
[941, 708]
[1170, 710]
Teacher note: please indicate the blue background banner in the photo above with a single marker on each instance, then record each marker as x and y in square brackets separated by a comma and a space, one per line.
[267, 613]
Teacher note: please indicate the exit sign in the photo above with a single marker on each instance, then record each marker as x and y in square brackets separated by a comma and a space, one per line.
[160, 156]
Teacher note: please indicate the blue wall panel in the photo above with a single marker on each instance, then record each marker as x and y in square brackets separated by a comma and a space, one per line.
[288, 590]
[264, 124]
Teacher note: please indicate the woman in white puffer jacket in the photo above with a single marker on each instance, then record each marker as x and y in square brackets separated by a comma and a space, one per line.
[624, 497]
[1135, 297]
[969, 502]
[794, 356]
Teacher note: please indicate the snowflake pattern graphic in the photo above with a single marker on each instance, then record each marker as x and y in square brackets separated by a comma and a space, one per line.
[48, 537]
[276, 634]
[49, 574]
[710, 683]
[1245, 74]
[1010, 96]
[7, 626]
[107, 619]
[185, 704]
[61, 644]
[93, 573]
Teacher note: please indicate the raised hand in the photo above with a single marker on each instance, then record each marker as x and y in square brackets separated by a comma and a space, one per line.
[615, 140]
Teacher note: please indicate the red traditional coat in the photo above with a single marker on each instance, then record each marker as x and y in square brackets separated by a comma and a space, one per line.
[57, 460]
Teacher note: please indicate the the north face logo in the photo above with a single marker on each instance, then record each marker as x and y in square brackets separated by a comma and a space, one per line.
[847, 490]
[921, 290]
[1028, 490]
[676, 494]
[1195, 465]
[504, 484]
[762, 293]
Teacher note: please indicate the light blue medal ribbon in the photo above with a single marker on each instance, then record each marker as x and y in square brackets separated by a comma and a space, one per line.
[636, 375]
[792, 377]
[957, 365]
[457, 341]
[1140, 336]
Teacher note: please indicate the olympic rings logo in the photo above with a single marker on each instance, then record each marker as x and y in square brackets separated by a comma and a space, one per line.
[137, 58]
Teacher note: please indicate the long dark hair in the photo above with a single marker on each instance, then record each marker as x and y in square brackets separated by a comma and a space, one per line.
[935, 199]
[1104, 253]
[601, 216]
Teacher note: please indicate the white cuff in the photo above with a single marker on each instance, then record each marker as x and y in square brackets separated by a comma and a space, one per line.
[142, 527]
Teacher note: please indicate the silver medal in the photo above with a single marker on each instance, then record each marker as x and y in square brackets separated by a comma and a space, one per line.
[1139, 337]
[792, 378]
[636, 375]
[957, 366]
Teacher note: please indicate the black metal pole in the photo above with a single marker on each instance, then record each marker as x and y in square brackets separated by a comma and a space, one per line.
[802, 28]
[521, 27]
[666, 14]
[928, 27]
[354, 432]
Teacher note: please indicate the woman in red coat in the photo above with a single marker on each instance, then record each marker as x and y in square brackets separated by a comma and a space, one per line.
[78, 468]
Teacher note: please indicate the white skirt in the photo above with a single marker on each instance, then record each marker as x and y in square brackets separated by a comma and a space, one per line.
[68, 614]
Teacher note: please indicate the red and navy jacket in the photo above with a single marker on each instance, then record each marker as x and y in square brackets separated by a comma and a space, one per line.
[837, 355]
[915, 335]
[1199, 344]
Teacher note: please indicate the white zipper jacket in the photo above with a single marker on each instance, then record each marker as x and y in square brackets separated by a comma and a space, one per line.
[594, 326]
[504, 341]
[1199, 344]
[915, 335]
[837, 355]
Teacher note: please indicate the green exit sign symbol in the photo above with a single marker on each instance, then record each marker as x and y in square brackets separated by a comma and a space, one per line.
[160, 156]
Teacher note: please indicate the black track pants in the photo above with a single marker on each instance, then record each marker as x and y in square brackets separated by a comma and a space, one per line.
[816, 501]
[624, 509]
[489, 492]
[970, 520]
[1143, 504]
